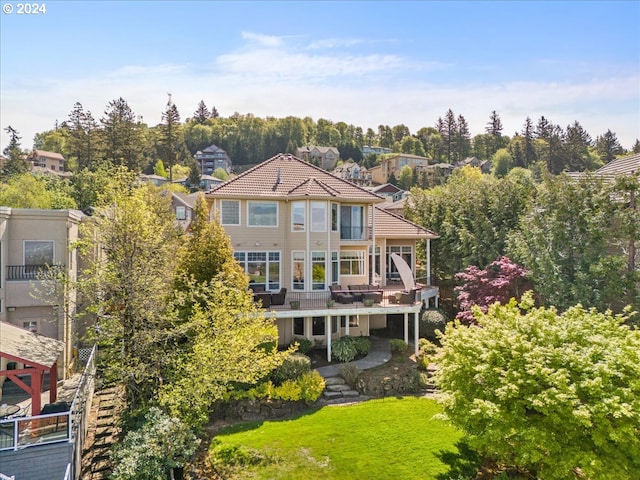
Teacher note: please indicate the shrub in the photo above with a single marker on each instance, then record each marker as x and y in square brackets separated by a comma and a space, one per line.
[304, 345]
[362, 345]
[311, 386]
[292, 367]
[398, 346]
[422, 362]
[343, 349]
[350, 373]
[234, 455]
[289, 390]
[431, 321]
[419, 381]
[426, 347]
[159, 445]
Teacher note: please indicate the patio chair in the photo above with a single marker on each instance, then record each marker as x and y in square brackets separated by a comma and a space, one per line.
[278, 298]
[408, 298]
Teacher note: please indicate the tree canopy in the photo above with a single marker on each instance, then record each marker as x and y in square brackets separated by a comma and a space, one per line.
[557, 395]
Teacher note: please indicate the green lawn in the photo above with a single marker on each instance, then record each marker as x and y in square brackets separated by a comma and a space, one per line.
[378, 439]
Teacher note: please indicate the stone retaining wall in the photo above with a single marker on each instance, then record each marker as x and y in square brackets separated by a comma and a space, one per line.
[246, 410]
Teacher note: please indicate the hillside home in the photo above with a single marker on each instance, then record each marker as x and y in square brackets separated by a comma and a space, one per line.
[212, 158]
[33, 242]
[48, 160]
[305, 236]
[394, 164]
[324, 157]
[353, 172]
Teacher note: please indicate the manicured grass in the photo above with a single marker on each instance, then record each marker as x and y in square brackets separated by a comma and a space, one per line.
[378, 439]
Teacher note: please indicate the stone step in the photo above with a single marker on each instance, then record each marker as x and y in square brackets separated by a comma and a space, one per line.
[350, 393]
[329, 394]
[338, 388]
[334, 381]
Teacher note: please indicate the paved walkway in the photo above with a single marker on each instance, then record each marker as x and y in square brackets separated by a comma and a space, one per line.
[379, 354]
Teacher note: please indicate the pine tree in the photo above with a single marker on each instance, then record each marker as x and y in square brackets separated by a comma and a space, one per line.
[608, 147]
[202, 113]
[170, 136]
[16, 164]
[123, 141]
[463, 139]
[529, 153]
[494, 129]
[83, 141]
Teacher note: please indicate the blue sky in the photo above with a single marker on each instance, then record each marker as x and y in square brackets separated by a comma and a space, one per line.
[363, 62]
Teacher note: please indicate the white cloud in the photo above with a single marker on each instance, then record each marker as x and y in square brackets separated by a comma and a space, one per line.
[270, 78]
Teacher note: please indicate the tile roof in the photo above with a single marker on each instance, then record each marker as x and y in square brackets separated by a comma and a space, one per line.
[390, 225]
[31, 347]
[621, 166]
[53, 155]
[285, 176]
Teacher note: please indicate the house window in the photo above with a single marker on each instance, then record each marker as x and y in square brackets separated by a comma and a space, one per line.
[376, 261]
[298, 326]
[352, 223]
[354, 321]
[31, 326]
[405, 251]
[352, 262]
[262, 214]
[318, 216]
[230, 212]
[181, 213]
[263, 268]
[335, 271]
[38, 252]
[297, 262]
[318, 270]
[334, 217]
[297, 216]
[318, 325]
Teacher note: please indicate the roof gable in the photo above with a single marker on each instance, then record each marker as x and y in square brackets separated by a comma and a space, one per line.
[621, 166]
[285, 176]
[390, 225]
[34, 348]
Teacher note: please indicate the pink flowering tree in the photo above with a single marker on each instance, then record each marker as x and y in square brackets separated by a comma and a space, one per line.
[500, 281]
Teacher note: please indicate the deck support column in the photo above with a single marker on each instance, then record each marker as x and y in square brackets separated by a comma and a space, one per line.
[416, 333]
[406, 328]
[327, 330]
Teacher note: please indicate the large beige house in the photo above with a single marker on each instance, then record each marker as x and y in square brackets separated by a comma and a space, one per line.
[33, 241]
[393, 164]
[295, 226]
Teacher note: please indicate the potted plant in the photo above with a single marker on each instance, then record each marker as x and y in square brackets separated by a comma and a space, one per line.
[330, 303]
[295, 304]
[368, 302]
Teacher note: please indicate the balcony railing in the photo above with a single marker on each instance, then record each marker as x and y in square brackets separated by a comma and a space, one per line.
[31, 272]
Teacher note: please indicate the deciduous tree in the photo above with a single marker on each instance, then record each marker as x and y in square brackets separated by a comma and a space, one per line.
[555, 395]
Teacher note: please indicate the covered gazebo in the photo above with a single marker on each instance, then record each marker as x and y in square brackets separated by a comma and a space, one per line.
[38, 353]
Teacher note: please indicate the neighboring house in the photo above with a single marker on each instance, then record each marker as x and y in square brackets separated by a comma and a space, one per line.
[394, 164]
[366, 149]
[390, 192]
[353, 172]
[295, 226]
[182, 206]
[157, 180]
[32, 242]
[436, 174]
[626, 166]
[206, 182]
[483, 165]
[212, 158]
[49, 160]
[324, 157]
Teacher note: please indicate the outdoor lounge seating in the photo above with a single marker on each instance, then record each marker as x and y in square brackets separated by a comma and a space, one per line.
[407, 298]
[278, 298]
[358, 291]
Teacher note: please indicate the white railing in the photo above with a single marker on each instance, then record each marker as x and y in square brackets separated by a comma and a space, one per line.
[4, 477]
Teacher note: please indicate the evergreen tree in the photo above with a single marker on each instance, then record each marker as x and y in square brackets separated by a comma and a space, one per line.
[448, 129]
[15, 164]
[202, 113]
[577, 144]
[608, 147]
[529, 153]
[170, 136]
[214, 112]
[636, 147]
[84, 136]
[463, 141]
[494, 129]
[123, 141]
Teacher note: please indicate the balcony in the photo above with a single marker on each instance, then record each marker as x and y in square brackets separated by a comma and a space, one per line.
[31, 272]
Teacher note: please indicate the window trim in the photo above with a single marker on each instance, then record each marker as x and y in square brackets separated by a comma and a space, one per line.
[359, 257]
[303, 228]
[303, 258]
[24, 251]
[251, 203]
[222, 219]
[293, 327]
[324, 226]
